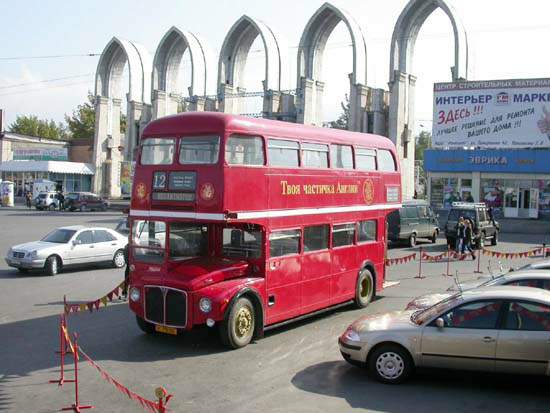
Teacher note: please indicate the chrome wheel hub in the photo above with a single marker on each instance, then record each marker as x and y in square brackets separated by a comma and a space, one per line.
[119, 259]
[243, 322]
[390, 365]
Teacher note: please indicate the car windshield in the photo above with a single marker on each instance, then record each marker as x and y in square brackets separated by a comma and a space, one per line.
[188, 240]
[72, 196]
[148, 240]
[59, 236]
[240, 243]
[42, 196]
[421, 316]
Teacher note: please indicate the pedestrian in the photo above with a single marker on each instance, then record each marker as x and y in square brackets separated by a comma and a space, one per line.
[468, 238]
[490, 213]
[61, 199]
[28, 199]
[460, 234]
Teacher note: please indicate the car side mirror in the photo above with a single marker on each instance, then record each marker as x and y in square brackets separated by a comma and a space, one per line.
[440, 323]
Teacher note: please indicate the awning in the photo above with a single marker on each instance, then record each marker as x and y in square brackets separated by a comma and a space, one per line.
[58, 167]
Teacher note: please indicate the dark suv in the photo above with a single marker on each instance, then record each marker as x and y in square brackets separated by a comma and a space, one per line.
[85, 201]
[485, 228]
[414, 220]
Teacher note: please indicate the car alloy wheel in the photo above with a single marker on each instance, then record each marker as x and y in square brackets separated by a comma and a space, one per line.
[118, 259]
[390, 365]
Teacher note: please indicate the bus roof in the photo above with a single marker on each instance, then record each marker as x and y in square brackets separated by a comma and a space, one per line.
[204, 122]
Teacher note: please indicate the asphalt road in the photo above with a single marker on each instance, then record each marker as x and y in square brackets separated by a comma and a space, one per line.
[296, 368]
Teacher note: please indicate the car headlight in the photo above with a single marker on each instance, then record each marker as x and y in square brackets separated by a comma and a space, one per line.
[205, 305]
[134, 294]
[352, 335]
[33, 254]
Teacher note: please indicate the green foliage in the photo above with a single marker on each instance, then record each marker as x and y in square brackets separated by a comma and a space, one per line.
[423, 142]
[343, 119]
[81, 123]
[43, 128]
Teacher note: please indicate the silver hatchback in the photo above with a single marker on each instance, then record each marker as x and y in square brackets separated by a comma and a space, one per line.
[495, 329]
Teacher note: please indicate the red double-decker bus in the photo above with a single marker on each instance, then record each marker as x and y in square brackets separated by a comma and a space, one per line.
[247, 223]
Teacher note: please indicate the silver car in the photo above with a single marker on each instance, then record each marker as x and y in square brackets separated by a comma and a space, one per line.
[523, 278]
[498, 329]
[68, 246]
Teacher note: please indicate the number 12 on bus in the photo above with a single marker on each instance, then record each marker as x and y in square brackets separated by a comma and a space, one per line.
[243, 224]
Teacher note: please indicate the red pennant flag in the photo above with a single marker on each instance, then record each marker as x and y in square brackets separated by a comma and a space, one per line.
[96, 304]
[110, 296]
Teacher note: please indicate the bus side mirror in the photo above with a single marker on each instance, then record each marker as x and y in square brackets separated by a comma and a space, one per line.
[440, 323]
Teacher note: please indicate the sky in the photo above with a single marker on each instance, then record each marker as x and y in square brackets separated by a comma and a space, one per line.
[507, 40]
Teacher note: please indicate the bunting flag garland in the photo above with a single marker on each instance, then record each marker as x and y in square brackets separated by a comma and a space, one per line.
[459, 256]
[512, 255]
[434, 258]
[91, 305]
[401, 260]
[149, 405]
[68, 339]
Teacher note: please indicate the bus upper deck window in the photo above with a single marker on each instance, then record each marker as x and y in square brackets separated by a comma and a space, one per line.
[314, 155]
[158, 151]
[199, 149]
[386, 162]
[341, 157]
[365, 159]
[244, 150]
[283, 153]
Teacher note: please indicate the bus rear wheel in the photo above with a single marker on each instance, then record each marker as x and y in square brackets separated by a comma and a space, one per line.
[364, 290]
[237, 329]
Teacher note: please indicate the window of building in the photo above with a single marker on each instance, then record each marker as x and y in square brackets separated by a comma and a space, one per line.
[244, 150]
[284, 243]
[367, 231]
[365, 159]
[157, 151]
[341, 157]
[283, 153]
[199, 149]
[386, 162]
[343, 235]
[316, 238]
[314, 155]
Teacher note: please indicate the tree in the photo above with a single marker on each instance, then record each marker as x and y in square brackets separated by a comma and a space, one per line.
[423, 142]
[343, 119]
[43, 128]
[82, 122]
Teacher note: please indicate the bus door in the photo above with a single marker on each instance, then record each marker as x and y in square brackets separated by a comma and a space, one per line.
[316, 268]
[284, 273]
[344, 262]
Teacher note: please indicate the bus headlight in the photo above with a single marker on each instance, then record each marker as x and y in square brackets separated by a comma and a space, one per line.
[134, 294]
[205, 305]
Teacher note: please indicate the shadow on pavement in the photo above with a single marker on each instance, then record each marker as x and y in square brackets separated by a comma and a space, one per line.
[449, 390]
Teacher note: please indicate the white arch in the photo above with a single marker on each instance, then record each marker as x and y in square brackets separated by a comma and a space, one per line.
[406, 31]
[116, 54]
[314, 39]
[236, 46]
[168, 57]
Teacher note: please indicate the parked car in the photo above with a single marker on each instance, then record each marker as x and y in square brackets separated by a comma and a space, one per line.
[85, 201]
[500, 329]
[68, 246]
[47, 200]
[485, 228]
[524, 278]
[414, 220]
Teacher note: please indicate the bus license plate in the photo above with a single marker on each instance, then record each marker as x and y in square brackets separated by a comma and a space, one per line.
[166, 330]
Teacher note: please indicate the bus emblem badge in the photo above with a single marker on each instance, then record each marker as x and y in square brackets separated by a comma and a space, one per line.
[141, 190]
[207, 192]
[368, 191]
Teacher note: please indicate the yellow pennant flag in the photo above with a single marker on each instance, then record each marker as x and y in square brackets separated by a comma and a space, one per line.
[82, 307]
[103, 301]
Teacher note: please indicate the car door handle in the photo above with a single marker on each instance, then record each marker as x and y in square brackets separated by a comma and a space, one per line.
[114, 243]
[92, 246]
[488, 340]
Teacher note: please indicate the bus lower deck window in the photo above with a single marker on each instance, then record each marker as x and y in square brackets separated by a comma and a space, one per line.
[367, 231]
[284, 243]
[316, 238]
[343, 235]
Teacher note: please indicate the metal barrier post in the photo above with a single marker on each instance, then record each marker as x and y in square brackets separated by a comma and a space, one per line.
[76, 407]
[480, 253]
[420, 276]
[62, 352]
[446, 273]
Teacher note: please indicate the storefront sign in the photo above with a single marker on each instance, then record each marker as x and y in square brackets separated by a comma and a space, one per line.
[492, 114]
[27, 154]
[508, 161]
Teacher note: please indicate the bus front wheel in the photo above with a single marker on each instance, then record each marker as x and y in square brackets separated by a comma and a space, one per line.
[145, 326]
[364, 290]
[237, 329]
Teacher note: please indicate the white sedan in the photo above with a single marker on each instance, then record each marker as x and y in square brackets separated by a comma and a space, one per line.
[68, 246]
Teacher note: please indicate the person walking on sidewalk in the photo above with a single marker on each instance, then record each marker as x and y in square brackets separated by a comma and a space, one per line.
[460, 228]
[126, 271]
[28, 199]
[468, 238]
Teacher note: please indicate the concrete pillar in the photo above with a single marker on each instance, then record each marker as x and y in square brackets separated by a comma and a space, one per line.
[100, 141]
[196, 104]
[159, 104]
[227, 100]
[319, 90]
[305, 102]
[358, 100]
[271, 104]
[288, 108]
[379, 112]
[476, 186]
[174, 103]
[401, 125]
[132, 129]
